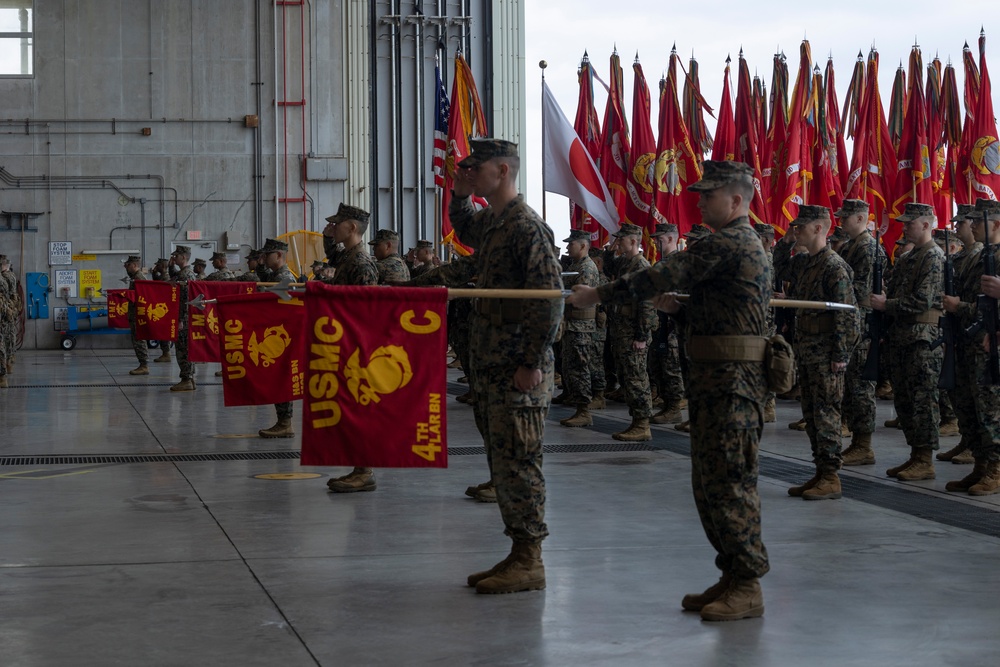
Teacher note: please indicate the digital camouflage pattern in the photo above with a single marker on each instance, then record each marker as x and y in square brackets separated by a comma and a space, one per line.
[514, 249]
[457, 273]
[226, 274]
[578, 338]
[391, 269]
[140, 347]
[858, 406]
[914, 294]
[665, 360]
[729, 282]
[968, 269]
[633, 321]
[353, 266]
[9, 309]
[181, 346]
[822, 338]
[283, 410]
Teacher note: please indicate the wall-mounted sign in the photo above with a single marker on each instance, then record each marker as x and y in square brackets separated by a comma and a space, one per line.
[90, 283]
[60, 253]
[65, 283]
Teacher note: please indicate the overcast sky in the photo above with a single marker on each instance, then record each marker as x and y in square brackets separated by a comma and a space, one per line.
[559, 31]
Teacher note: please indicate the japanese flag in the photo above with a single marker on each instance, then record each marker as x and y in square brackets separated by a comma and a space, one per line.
[569, 170]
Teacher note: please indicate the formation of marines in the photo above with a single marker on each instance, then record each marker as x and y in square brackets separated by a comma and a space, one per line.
[11, 307]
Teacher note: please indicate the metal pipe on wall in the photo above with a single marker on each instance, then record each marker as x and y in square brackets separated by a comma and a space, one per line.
[421, 138]
[394, 109]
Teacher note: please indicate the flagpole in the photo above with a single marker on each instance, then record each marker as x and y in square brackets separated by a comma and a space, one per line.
[542, 64]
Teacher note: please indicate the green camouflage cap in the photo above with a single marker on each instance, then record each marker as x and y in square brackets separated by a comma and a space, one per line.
[988, 206]
[964, 212]
[940, 235]
[218, 255]
[134, 259]
[698, 232]
[578, 235]
[318, 262]
[851, 206]
[718, 173]
[808, 214]
[162, 260]
[839, 234]
[487, 149]
[273, 245]
[628, 229]
[345, 212]
[764, 230]
[902, 240]
[384, 235]
[664, 228]
[424, 244]
[3, 259]
[200, 260]
[181, 250]
[914, 211]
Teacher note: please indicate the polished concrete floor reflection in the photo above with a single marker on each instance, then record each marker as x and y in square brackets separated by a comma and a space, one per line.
[159, 559]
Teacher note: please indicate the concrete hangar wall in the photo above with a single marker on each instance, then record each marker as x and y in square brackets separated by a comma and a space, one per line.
[142, 125]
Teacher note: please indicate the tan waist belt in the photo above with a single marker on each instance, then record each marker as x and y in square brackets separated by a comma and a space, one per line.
[500, 311]
[727, 348]
[581, 313]
[931, 316]
[820, 324]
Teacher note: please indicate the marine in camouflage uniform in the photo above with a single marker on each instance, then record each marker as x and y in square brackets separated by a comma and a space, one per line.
[133, 267]
[861, 252]
[423, 259]
[984, 480]
[598, 375]
[199, 268]
[273, 253]
[664, 357]
[253, 261]
[824, 341]
[179, 258]
[695, 234]
[968, 269]
[766, 234]
[579, 325]
[343, 239]
[511, 351]
[914, 303]
[161, 271]
[631, 332]
[222, 272]
[391, 267]
[729, 282]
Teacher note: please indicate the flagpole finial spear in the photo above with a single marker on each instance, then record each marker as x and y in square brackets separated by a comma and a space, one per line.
[728, 59]
[636, 57]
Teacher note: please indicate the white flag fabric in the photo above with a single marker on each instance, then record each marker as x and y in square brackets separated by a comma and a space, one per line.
[569, 170]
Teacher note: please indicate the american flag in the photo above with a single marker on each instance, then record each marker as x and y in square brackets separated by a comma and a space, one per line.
[442, 111]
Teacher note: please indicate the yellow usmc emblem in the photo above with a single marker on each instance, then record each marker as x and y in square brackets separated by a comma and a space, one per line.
[388, 370]
[274, 343]
[156, 312]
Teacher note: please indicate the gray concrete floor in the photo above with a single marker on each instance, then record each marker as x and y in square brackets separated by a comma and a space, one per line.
[201, 563]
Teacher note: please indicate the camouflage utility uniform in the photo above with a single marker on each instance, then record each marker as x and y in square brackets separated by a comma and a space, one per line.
[186, 367]
[514, 249]
[578, 338]
[729, 282]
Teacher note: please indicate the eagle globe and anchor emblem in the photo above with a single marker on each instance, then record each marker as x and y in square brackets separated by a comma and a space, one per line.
[388, 370]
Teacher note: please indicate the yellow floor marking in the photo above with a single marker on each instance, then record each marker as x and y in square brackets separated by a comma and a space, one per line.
[288, 475]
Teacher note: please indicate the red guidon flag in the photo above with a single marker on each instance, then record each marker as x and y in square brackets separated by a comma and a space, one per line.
[375, 377]
[203, 323]
[158, 310]
[118, 301]
[261, 348]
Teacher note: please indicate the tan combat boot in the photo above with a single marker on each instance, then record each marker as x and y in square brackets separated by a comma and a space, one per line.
[892, 423]
[580, 418]
[990, 482]
[964, 458]
[797, 491]
[800, 425]
[697, 601]
[770, 415]
[892, 472]
[845, 430]
[3, 381]
[142, 369]
[164, 357]
[282, 429]
[969, 480]
[598, 403]
[826, 488]
[743, 599]
[359, 479]
[186, 384]
[637, 431]
[670, 414]
[884, 391]
[465, 398]
[560, 399]
[473, 490]
[684, 426]
[953, 452]
[948, 428]
[860, 452]
[474, 579]
[523, 572]
[921, 468]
